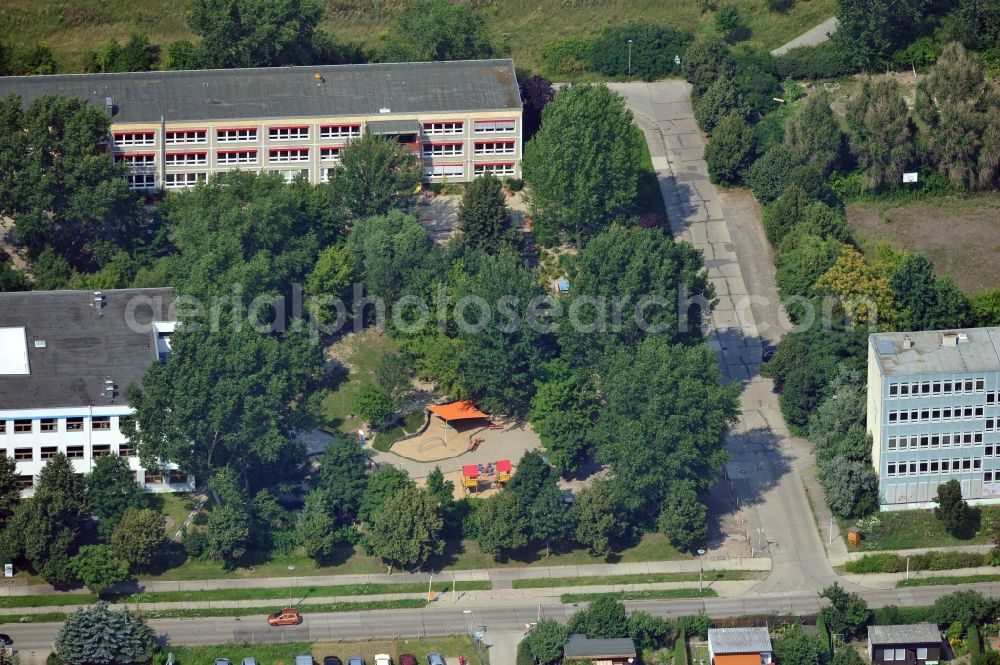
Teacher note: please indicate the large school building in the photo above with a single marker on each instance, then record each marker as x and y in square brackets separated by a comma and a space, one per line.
[174, 129]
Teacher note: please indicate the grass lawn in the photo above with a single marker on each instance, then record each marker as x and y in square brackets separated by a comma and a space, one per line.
[359, 352]
[947, 581]
[408, 424]
[660, 594]
[651, 578]
[968, 254]
[649, 198]
[519, 26]
[175, 507]
[911, 529]
[449, 647]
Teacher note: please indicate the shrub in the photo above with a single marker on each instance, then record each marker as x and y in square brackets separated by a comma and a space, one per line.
[892, 615]
[729, 23]
[730, 150]
[824, 635]
[935, 560]
[768, 176]
[515, 184]
[565, 57]
[780, 5]
[975, 644]
[680, 649]
[653, 50]
[824, 60]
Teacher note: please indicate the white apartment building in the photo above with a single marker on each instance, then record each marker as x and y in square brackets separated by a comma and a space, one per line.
[462, 119]
[934, 414]
[66, 360]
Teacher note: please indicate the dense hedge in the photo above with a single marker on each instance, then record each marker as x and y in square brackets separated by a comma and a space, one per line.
[680, 650]
[814, 62]
[824, 635]
[652, 52]
[524, 656]
[894, 563]
[974, 641]
[893, 615]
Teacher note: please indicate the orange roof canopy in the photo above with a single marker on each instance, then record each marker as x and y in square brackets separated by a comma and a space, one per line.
[456, 410]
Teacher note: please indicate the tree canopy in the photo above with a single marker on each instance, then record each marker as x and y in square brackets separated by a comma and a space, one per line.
[375, 175]
[437, 30]
[98, 635]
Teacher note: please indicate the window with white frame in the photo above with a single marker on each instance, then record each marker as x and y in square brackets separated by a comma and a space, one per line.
[135, 138]
[433, 128]
[498, 169]
[282, 155]
[288, 133]
[329, 154]
[900, 654]
[141, 181]
[136, 160]
[922, 653]
[177, 180]
[236, 135]
[236, 157]
[339, 131]
[186, 158]
[438, 171]
[290, 174]
[889, 654]
[494, 126]
[324, 174]
[184, 136]
[443, 149]
[494, 148]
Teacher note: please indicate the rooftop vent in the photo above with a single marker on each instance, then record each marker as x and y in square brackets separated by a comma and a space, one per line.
[949, 339]
[109, 387]
[109, 105]
[962, 338]
[319, 78]
[39, 343]
[100, 300]
[907, 342]
[385, 110]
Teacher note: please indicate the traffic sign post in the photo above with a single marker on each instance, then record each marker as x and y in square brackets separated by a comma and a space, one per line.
[831, 522]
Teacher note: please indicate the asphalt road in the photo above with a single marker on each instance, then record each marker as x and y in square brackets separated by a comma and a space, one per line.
[451, 620]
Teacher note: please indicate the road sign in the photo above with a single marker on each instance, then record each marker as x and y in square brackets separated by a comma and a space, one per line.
[8, 570]
[677, 60]
[910, 177]
[830, 521]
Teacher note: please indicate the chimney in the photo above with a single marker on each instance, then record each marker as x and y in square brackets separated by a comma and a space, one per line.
[949, 339]
[109, 106]
[907, 342]
[319, 78]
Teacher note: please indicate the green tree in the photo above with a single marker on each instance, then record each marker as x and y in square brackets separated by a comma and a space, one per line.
[796, 647]
[605, 618]
[392, 253]
[331, 280]
[372, 404]
[797, 269]
[549, 517]
[501, 525]
[951, 508]
[562, 411]
[29, 60]
[966, 607]
[985, 310]
[229, 534]
[847, 657]
[652, 54]
[782, 215]
[768, 176]
[599, 517]
[60, 188]
[10, 490]
[814, 134]
[98, 567]
[871, 30]
[847, 614]
[375, 175]
[97, 635]
[11, 279]
[582, 165]
[660, 280]
[529, 478]
[342, 476]
[684, 517]
[881, 133]
[705, 61]
[138, 55]
[720, 100]
[44, 530]
[138, 536]
[111, 489]
[441, 490]
[536, 93]
[926, 302]
[406, 532]
[316, 528]
[258, 33]
[731, 149]
[394, 376]
[664, 420]
[648, 631]
[729, 23]
[437, 30]
[851, 488]
[383, 484]
[546, 641]
[483, 217]
[182, 54]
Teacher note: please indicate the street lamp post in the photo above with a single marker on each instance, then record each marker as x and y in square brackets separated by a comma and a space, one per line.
[630, 58]
[468, 625]
[701, 570]
[291, 583]
[760, 540]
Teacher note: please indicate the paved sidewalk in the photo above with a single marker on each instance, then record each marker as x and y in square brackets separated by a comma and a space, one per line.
[889, 580]
[816, 35]
[494, 575]
[841, 559]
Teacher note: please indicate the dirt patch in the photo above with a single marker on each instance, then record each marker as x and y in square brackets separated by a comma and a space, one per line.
[958, 234]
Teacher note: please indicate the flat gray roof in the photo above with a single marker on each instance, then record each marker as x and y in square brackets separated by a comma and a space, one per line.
[282, 92]
[581, 646]
[914, 633]
[82, 346]
[739, 640]
[976, 350]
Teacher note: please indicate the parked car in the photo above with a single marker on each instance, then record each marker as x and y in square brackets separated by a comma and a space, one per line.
[383, 659]
[355, 660]
[249, 660]
[303, 660]
[286, 617]
[332, 660]
[221, 661]
[435, 659]
[5, 640]
[407, 659]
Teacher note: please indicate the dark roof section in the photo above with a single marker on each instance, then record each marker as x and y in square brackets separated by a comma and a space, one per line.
[580, 646]
[914, 633]
[82, 348]
[281, 92]
[393, 126]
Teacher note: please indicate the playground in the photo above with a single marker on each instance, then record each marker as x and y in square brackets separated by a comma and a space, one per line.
[451, 430]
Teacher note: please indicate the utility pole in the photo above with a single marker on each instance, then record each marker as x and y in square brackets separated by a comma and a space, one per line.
[701, 571]
[630, 58]
[291, 583]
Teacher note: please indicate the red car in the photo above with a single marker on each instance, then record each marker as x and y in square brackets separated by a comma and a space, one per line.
[407, 659]
[286, 617]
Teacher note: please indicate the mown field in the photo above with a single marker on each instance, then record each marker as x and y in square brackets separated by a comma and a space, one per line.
[72, 27]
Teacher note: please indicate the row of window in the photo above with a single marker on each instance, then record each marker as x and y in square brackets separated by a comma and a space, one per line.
[921, 388]
[26, 482]
[931, 467]
[479, 148]
[73, 452]
[298, 133]
[900, 654]
[51, 425]
[934, 440]
[934, 415]
[439, 171]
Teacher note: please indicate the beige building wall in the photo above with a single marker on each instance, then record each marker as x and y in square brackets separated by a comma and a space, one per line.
[500, 151]
[875, 395]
